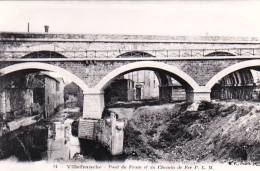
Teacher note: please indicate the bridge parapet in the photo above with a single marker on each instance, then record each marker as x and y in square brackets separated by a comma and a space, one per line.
[132, 54]
[19, 36]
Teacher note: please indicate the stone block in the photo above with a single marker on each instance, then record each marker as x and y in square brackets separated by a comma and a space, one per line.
[86, 128]
[197, 96]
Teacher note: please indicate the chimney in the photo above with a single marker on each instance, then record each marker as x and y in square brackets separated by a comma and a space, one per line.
[28, 28]
[46, 29]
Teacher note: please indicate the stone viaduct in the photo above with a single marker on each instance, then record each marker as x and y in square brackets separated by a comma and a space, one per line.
[93, 61]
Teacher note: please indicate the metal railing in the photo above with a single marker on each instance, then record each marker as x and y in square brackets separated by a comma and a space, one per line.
[131, 54]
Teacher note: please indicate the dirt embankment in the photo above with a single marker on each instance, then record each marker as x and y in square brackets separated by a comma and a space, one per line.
[223, 132]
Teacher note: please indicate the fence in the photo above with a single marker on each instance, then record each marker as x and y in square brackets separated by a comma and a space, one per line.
[131, 54]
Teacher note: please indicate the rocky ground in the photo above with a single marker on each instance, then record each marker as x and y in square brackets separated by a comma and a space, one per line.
[215, 131]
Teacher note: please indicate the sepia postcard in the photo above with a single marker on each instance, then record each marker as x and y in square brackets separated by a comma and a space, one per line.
[129, 85]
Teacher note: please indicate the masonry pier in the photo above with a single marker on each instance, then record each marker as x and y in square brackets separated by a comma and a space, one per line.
[93, 105]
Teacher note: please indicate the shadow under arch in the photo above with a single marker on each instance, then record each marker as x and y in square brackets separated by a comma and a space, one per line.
[44, 54]
[162, 78]
[219, 53]
[105, 81]
[231, 69]
[134, 54]
[45, 67]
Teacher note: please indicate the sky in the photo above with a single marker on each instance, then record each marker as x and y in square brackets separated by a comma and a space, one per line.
[192, 18]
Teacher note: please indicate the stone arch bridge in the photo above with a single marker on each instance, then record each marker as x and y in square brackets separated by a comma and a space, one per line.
[93, 61]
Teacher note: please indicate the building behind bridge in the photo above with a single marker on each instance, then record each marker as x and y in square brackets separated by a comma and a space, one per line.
[143, 85]
[31, 94]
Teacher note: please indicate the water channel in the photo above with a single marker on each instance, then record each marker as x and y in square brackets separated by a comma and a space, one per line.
[50, 141]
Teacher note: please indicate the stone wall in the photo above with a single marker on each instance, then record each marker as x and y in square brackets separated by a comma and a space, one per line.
[200, 70]
[50, 96]
[59, 42]
[18, 92]
[109, 132]
[119, 44]
[2, 104]
[86, 128]
[28, 92]
[96, 37]
[172, 93]
[18, 100]
[54, 95]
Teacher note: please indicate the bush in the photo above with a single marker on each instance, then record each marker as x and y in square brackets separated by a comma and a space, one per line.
[242, 112]
[205, 105]
[224, 112]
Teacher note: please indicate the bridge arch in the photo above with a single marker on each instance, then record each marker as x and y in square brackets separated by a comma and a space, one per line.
[219, 53]
[231, 69]
[46, 67]
[44, 54]
[105, 81]
[138, 54]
